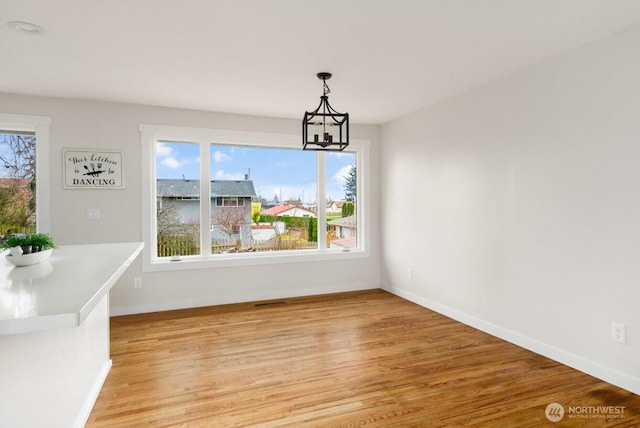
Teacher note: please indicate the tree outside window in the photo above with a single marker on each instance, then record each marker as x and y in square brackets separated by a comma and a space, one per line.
[17, 182]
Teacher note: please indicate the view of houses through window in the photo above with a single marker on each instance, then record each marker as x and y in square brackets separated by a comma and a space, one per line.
[178, 200]
[17, 182]
[260, 199]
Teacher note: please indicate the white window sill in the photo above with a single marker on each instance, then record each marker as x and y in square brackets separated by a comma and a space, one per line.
[250, 259]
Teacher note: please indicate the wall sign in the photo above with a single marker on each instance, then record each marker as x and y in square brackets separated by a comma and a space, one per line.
[92, 169]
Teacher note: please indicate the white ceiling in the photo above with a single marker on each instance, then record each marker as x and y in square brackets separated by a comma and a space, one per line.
[388, 58]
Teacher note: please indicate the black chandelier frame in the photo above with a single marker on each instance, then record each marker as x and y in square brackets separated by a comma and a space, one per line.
[325, 128]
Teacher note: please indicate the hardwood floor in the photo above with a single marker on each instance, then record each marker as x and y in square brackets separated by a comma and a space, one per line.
[349, 360]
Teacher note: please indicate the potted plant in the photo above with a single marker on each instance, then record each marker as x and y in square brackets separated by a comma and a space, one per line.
[21, 241]
[40, 242]
[29, 243]
[26, 250]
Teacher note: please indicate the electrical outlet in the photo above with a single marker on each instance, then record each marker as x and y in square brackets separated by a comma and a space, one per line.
[137, 282]
[618, 332]
[410, 273]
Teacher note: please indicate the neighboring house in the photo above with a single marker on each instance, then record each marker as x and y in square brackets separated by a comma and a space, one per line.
[289, 211]
[14, 183]
[230, 205]
[311, 206]
[345, 231]
[335, 208]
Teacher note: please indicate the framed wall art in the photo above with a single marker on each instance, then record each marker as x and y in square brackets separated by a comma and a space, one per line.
[92, 169]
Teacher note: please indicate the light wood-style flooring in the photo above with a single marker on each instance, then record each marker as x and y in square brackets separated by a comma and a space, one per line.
[361, 359]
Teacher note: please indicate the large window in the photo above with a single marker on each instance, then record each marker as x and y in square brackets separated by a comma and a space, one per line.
[268, 195]
[24, 183]
[231, 198]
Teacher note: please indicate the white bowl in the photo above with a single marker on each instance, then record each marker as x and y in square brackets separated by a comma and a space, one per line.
[29, 259]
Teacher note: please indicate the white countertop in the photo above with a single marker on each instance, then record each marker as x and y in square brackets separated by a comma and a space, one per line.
[63, 290]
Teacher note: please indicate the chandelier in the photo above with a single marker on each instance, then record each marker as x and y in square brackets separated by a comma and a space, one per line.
[324, 128]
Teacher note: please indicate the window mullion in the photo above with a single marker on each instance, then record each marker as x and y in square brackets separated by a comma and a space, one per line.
[205, 199]
[322, 202]
[150, 207]
[362, 194]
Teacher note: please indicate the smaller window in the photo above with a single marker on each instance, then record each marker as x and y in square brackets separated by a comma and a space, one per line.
[24, 202]
[227, 201]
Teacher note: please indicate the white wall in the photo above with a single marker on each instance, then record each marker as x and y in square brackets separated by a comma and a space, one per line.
[116, 126]
[524, 196]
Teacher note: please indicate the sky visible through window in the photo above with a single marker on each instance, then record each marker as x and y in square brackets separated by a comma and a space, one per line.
[4, 151]
[20, 163]
[285, 173]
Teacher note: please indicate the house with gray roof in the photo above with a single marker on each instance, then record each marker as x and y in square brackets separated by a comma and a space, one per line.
[230, 205]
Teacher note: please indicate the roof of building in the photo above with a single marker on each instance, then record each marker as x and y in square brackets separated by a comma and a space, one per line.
[190, 188]
[261, 227]
[12, 182]
[338, 204]
[279, 209]
[349, 221]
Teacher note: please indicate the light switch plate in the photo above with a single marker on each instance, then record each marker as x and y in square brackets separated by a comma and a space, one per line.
[93, 214]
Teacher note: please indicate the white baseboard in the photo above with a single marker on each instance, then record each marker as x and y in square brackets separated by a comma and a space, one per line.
[577, 362]
[228, 298]
[90, 401]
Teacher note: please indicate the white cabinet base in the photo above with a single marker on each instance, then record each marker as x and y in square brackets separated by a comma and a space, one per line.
[52, 378]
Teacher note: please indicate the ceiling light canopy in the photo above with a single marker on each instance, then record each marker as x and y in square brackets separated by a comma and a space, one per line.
[324, 128]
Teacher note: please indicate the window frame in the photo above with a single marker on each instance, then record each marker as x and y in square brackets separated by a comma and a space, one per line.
[150, 134]
[40, 126]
